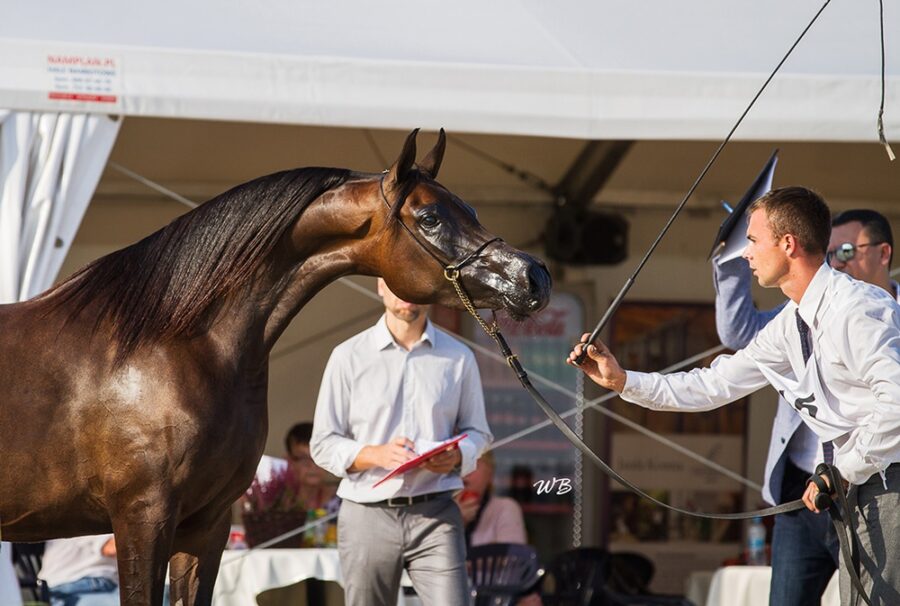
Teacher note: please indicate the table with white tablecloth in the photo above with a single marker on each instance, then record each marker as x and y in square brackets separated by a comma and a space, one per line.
[245, 574]
[749, 586]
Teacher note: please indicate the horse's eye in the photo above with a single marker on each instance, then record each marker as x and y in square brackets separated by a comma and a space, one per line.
[429, 221]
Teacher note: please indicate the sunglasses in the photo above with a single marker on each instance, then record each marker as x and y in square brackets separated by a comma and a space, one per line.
[846, 251]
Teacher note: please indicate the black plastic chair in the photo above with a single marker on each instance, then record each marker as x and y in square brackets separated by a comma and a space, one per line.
[576, 578]
[630, 573]
[590, 576]
[27, 563]
[499, 573]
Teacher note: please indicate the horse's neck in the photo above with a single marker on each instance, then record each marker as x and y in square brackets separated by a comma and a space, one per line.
[249, 324]
[294, 276]
[310, 277]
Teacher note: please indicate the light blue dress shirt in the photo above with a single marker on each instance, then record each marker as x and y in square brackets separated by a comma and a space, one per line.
[374, 390]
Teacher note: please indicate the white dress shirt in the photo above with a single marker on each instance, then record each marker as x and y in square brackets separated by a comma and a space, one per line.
[848, 392]
[374, 390]
[68, 560]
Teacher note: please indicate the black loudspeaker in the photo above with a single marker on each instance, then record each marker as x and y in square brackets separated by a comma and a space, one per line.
[584, 237]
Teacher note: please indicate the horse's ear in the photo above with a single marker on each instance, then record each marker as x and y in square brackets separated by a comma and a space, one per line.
[398, 173]
[432, 162]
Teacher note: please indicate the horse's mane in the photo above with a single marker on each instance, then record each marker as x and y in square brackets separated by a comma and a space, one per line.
[164, 285]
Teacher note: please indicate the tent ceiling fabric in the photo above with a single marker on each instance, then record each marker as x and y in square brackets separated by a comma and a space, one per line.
[587, 69]
[201, 158]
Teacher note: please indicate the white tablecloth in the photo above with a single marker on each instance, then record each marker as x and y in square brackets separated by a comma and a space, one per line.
[244, 574]
[749, 586]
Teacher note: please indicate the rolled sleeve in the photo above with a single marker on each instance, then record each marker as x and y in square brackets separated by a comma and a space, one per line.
[329, 446]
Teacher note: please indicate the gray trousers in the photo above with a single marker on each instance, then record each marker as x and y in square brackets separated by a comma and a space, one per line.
[876, 517]
[376, 543]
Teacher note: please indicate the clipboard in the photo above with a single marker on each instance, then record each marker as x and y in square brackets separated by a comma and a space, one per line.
[419, 460]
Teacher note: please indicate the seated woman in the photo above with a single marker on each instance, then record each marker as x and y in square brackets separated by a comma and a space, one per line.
[489, 518]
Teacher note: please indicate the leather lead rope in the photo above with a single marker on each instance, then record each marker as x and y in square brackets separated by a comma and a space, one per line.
[842, 520]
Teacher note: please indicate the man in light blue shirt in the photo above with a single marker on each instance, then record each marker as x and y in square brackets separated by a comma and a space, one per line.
[804, 545]
[396, 389]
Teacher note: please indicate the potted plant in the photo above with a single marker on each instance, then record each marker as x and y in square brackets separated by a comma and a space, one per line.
[271, 508]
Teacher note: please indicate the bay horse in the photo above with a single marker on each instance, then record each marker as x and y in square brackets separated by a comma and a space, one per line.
[133, 394]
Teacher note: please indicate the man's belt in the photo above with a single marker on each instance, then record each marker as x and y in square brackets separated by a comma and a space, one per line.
[407, 501]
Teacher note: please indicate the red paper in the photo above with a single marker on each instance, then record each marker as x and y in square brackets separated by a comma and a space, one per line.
[413, 463]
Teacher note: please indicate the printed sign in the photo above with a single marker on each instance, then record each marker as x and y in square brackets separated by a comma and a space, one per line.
[83, 78]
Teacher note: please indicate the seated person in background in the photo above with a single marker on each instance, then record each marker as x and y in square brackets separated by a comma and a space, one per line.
[311, 487]
[316, 488]
[488, 518]
[81, 571]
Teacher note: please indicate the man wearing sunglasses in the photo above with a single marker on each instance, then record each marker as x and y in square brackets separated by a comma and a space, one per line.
[863, 247]
[834, 353]
[804, 546]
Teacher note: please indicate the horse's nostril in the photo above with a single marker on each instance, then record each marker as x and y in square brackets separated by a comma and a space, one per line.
[538, 280]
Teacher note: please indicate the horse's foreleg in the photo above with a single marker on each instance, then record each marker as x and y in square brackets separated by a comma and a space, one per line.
[144, 531]
[195, 561]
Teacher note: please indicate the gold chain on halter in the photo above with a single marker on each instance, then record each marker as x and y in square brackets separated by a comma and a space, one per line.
[452, 274]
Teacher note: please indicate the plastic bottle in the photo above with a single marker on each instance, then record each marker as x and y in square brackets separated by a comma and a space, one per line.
[756, 543]
[309, 535]
[331, 534]
[236, 538]
[320, 529]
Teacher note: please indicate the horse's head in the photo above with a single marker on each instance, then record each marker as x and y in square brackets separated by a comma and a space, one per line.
[428, 229]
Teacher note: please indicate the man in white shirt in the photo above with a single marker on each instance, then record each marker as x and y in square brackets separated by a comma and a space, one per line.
[400, 387]
[833, 352]
[81, 571]
[804, 545]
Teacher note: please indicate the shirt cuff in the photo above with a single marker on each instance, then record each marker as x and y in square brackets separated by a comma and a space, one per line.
[345, 456]
[469, 457]
[634, 391]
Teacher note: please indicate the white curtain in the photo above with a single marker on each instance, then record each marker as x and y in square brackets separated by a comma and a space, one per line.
[50, 164]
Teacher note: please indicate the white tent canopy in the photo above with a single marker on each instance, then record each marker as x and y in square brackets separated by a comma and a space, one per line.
[591, 69]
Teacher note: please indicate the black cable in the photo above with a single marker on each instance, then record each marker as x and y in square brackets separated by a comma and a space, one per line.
[523, 175]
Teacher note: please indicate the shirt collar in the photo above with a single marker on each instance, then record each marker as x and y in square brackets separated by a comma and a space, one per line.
[814, 295]
[384, 339]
